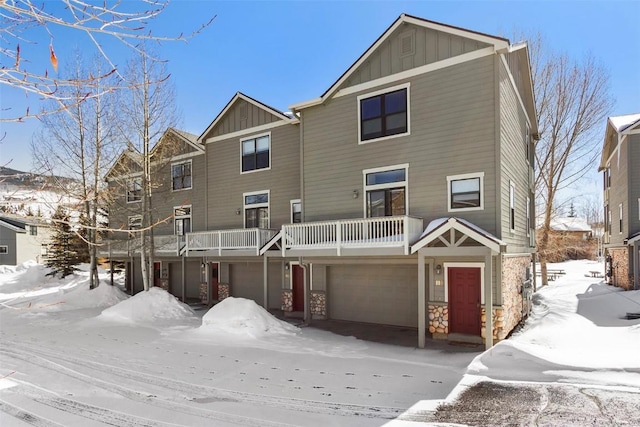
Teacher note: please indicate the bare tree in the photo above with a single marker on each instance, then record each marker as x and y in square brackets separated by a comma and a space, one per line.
[24, 22]
[78, 142]
[572, 99]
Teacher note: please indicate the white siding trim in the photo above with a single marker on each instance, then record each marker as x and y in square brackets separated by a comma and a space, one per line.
[447, 265]
[515, 88]
[461, 177]
[247, 132]
[187, 156]
[406, 86]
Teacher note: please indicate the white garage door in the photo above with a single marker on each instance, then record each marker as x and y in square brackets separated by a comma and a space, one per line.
[383, 294]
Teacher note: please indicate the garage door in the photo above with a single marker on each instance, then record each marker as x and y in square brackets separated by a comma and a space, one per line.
[383, 294]
[246, 281]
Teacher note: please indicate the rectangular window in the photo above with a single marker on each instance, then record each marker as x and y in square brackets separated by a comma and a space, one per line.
[296, 212]
[4, 249]
[527, 143]
[181, 176]
[256, 209]
[135, 222]
[44, 249]
[182, 220]
[528, 216]
[134, 190]
[512, 206]
[384, 113]
[33, 230]
[256, 153]
[466, 192]
[385, 190]
[620, 216]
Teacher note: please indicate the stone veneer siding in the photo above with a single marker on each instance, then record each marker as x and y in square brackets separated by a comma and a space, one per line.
[318, 304]
[164, 284]
[499, 330]
[514, 274]
[620, 262]
[287, 300]
[224, 290]
[204, 293]
[438, 319]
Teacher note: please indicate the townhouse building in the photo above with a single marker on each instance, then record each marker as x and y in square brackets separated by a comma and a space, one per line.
[619, 160]
[403, 195]
[23, 239]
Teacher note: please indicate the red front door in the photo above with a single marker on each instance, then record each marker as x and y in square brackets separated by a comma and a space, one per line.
[464, 300]
[298, 287]
[156, 274]
[214, 280]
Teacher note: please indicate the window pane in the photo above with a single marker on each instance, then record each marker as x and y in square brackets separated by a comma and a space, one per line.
[177, 183]
[465, 185]
[263, 217]
[256, 198]
[376, 203]
[385, 177]
[250, 219]
[187, 181]
[371, 128]
[397, 201]
[248, 147]
[248, 163]
[262, 160]
[396, 123]
[176, 170]
[262, 144]
[370, 107]
[465, 200]
[395, 102]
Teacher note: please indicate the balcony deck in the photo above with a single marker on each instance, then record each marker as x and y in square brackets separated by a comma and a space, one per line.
[168, 245]
[390, 235]
[236, 242]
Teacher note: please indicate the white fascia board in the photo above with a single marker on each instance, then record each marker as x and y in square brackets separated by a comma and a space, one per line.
[499, 44]
[249, 131]
[305, 104]
[187, 156]
[12, 227]
[515, 88]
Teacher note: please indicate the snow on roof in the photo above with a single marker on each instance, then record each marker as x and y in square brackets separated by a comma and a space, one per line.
[570, 224]
[623, 122]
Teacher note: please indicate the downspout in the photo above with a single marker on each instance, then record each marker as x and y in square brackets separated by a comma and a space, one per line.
[307, 290]
[301, 163]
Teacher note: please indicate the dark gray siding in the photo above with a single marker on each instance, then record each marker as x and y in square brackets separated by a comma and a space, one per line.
[246, 280]
[242, 115]
[619, 193]
[8, 239]
[634, 184]
[227, 184]
[452, 132]
[514, 166]
[410, 46]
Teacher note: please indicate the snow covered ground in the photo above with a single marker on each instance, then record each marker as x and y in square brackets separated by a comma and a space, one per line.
[70, 356]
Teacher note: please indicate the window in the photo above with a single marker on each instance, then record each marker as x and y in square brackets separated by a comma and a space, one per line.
[527, 143]
[296, 212]
[4, 249]
[33, 230]
[256, 153]
[512, 206]
[44, 250]
[181, 176]
[385, 190]
[385, 114]
[134, 190]
[465, 192]
[638, 208]
[182, 220]
[620, 216]
[528, 216]
[135, 222]
[256, 209]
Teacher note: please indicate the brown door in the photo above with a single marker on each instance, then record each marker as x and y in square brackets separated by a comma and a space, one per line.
[464, 300]
[214, 280]
[298, 287]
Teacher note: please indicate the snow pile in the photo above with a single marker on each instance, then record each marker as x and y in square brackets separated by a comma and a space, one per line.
[243, 317]
[151, 306]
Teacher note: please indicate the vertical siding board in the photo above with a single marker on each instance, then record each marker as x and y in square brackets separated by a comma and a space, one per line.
[634, 181]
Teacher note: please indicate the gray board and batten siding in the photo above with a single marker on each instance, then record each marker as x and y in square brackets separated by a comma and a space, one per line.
[619, 193]
[633, 163]
[452, 132]
[240, 116]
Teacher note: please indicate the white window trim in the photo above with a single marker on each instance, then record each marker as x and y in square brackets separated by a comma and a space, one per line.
[291, 264]
[126, 189]
[6, 249]
[256, 205]
[374, 187]
[175, 217]
[190, 168]
[291, 203]
[380, 92]
[448, 265]
[639, 208]
[256, 136]
[528, 216]
[512, 205]
[461, 177]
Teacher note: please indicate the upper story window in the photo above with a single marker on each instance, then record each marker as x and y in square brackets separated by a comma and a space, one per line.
[134, 190]
[528, 216]
[607, 177]
[256, 153]
[256, 209]
[181, 175]
[33, 230]
[527, 143]
[4, 249]
[135, 222]
[384, 114]
[466, 192]
[512, 206]
[182, 220]
[296, 212]
[620, 216]
[386, 191]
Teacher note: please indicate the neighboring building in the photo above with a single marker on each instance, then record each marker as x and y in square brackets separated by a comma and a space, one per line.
[571, 238]
[402, 196]
[619, 164]
[22, 240]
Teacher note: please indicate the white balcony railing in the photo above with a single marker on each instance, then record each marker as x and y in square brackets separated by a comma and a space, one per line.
[381, 232]
[162, 245]
[239, 239]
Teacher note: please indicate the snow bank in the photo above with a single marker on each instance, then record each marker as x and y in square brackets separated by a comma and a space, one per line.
[243, 317]
[151, 306]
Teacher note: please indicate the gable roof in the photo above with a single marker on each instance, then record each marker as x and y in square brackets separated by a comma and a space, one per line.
[620, 126]
[242, 96]
[570, 224]
[497, 42]
[20, 225]
[441, 225]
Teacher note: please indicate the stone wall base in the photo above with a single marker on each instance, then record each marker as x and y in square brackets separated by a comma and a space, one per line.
[620, 268]
[286, 300]
[318, 305]
[204, 293]
[224, 291]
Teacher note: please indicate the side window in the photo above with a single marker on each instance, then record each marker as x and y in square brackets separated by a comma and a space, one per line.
[4, 249]
[383, 114]
[181, 176]
[512, 206]
[33, 230]
[182, 220]
[296, 212]
[256, 153]
[256, 209]
[134, 190]
[465, 192]
[620, 216]
[386, 191]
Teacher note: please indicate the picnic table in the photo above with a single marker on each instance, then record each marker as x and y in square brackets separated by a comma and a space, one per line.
[552, 273]
[595, 273]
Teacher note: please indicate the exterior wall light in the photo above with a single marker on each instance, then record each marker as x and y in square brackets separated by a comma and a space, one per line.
[356, 193]
[438, 269]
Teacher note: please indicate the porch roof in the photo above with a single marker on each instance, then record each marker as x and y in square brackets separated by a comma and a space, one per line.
[438, 227]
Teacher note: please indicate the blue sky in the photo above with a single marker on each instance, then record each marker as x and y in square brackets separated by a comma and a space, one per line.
[287, 52]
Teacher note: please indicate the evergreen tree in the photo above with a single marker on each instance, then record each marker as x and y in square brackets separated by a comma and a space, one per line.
[62, 256]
